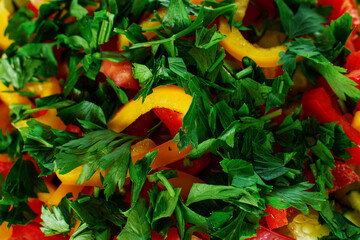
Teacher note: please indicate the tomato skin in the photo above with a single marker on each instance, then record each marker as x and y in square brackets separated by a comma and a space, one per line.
[32, 8]
[36, 205]
[120, 73]
[266, 234]
[5, 167]
[340, 8]
[353, 61]
[74, 129]
[172, 119]
[343, 175]
[32, 231]
[276, 218]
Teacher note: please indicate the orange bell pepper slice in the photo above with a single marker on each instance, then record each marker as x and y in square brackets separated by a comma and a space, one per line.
[237, 46]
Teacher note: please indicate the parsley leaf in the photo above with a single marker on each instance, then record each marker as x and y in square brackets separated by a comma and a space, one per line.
[137, 226]
[306, 20]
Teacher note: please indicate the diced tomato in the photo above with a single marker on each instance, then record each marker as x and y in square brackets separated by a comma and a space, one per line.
[172, 119]
[339, 9]
[353, 61]
[343, 176]
[318, 103]
[74, 129]
[291, 211]
[342, 7]
[322, 83]
[36, 205]
[276, 218]
[253, 10]
[5, 167]
[266, 234]
[120, 73]
[32, 232]
[32, 8]
[111, 45]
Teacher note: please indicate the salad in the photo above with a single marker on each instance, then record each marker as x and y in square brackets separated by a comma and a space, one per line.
[179, 119]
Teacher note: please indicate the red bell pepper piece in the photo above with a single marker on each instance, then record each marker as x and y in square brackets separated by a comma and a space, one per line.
[343, 175]
[317, 103]
[276, 218]
[266, 234]
[172, 119]
[342, 7]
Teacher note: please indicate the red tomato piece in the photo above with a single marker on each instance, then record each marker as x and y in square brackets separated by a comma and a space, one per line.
[342, 7]
[266, 234]
[32, 232]
[32, 8]
[36, 205]
[343, 175]
[73, 129]
[5, 168]
[120, 73]
[317, 103]
[172, 119]
[353, 61]
[276, 218]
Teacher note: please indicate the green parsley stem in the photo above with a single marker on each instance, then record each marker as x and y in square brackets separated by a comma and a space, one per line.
[271, 115]
[84, 199]
[152, 29]
[243, 73]
[166, 184]
[96, 192]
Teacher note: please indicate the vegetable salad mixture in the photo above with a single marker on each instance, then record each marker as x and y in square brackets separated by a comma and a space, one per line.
[179, 119]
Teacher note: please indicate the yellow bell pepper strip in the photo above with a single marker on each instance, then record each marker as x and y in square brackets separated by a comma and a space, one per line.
[41, 89]
[356, 121]
[72, 177]
[61, 191]
[44, 197]
[4, 15]
[237, 46]
[170, 96]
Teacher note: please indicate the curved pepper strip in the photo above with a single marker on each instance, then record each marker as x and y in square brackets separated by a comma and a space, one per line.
[41, 89]
[236, 45]
[4, 15]
[170, 96]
